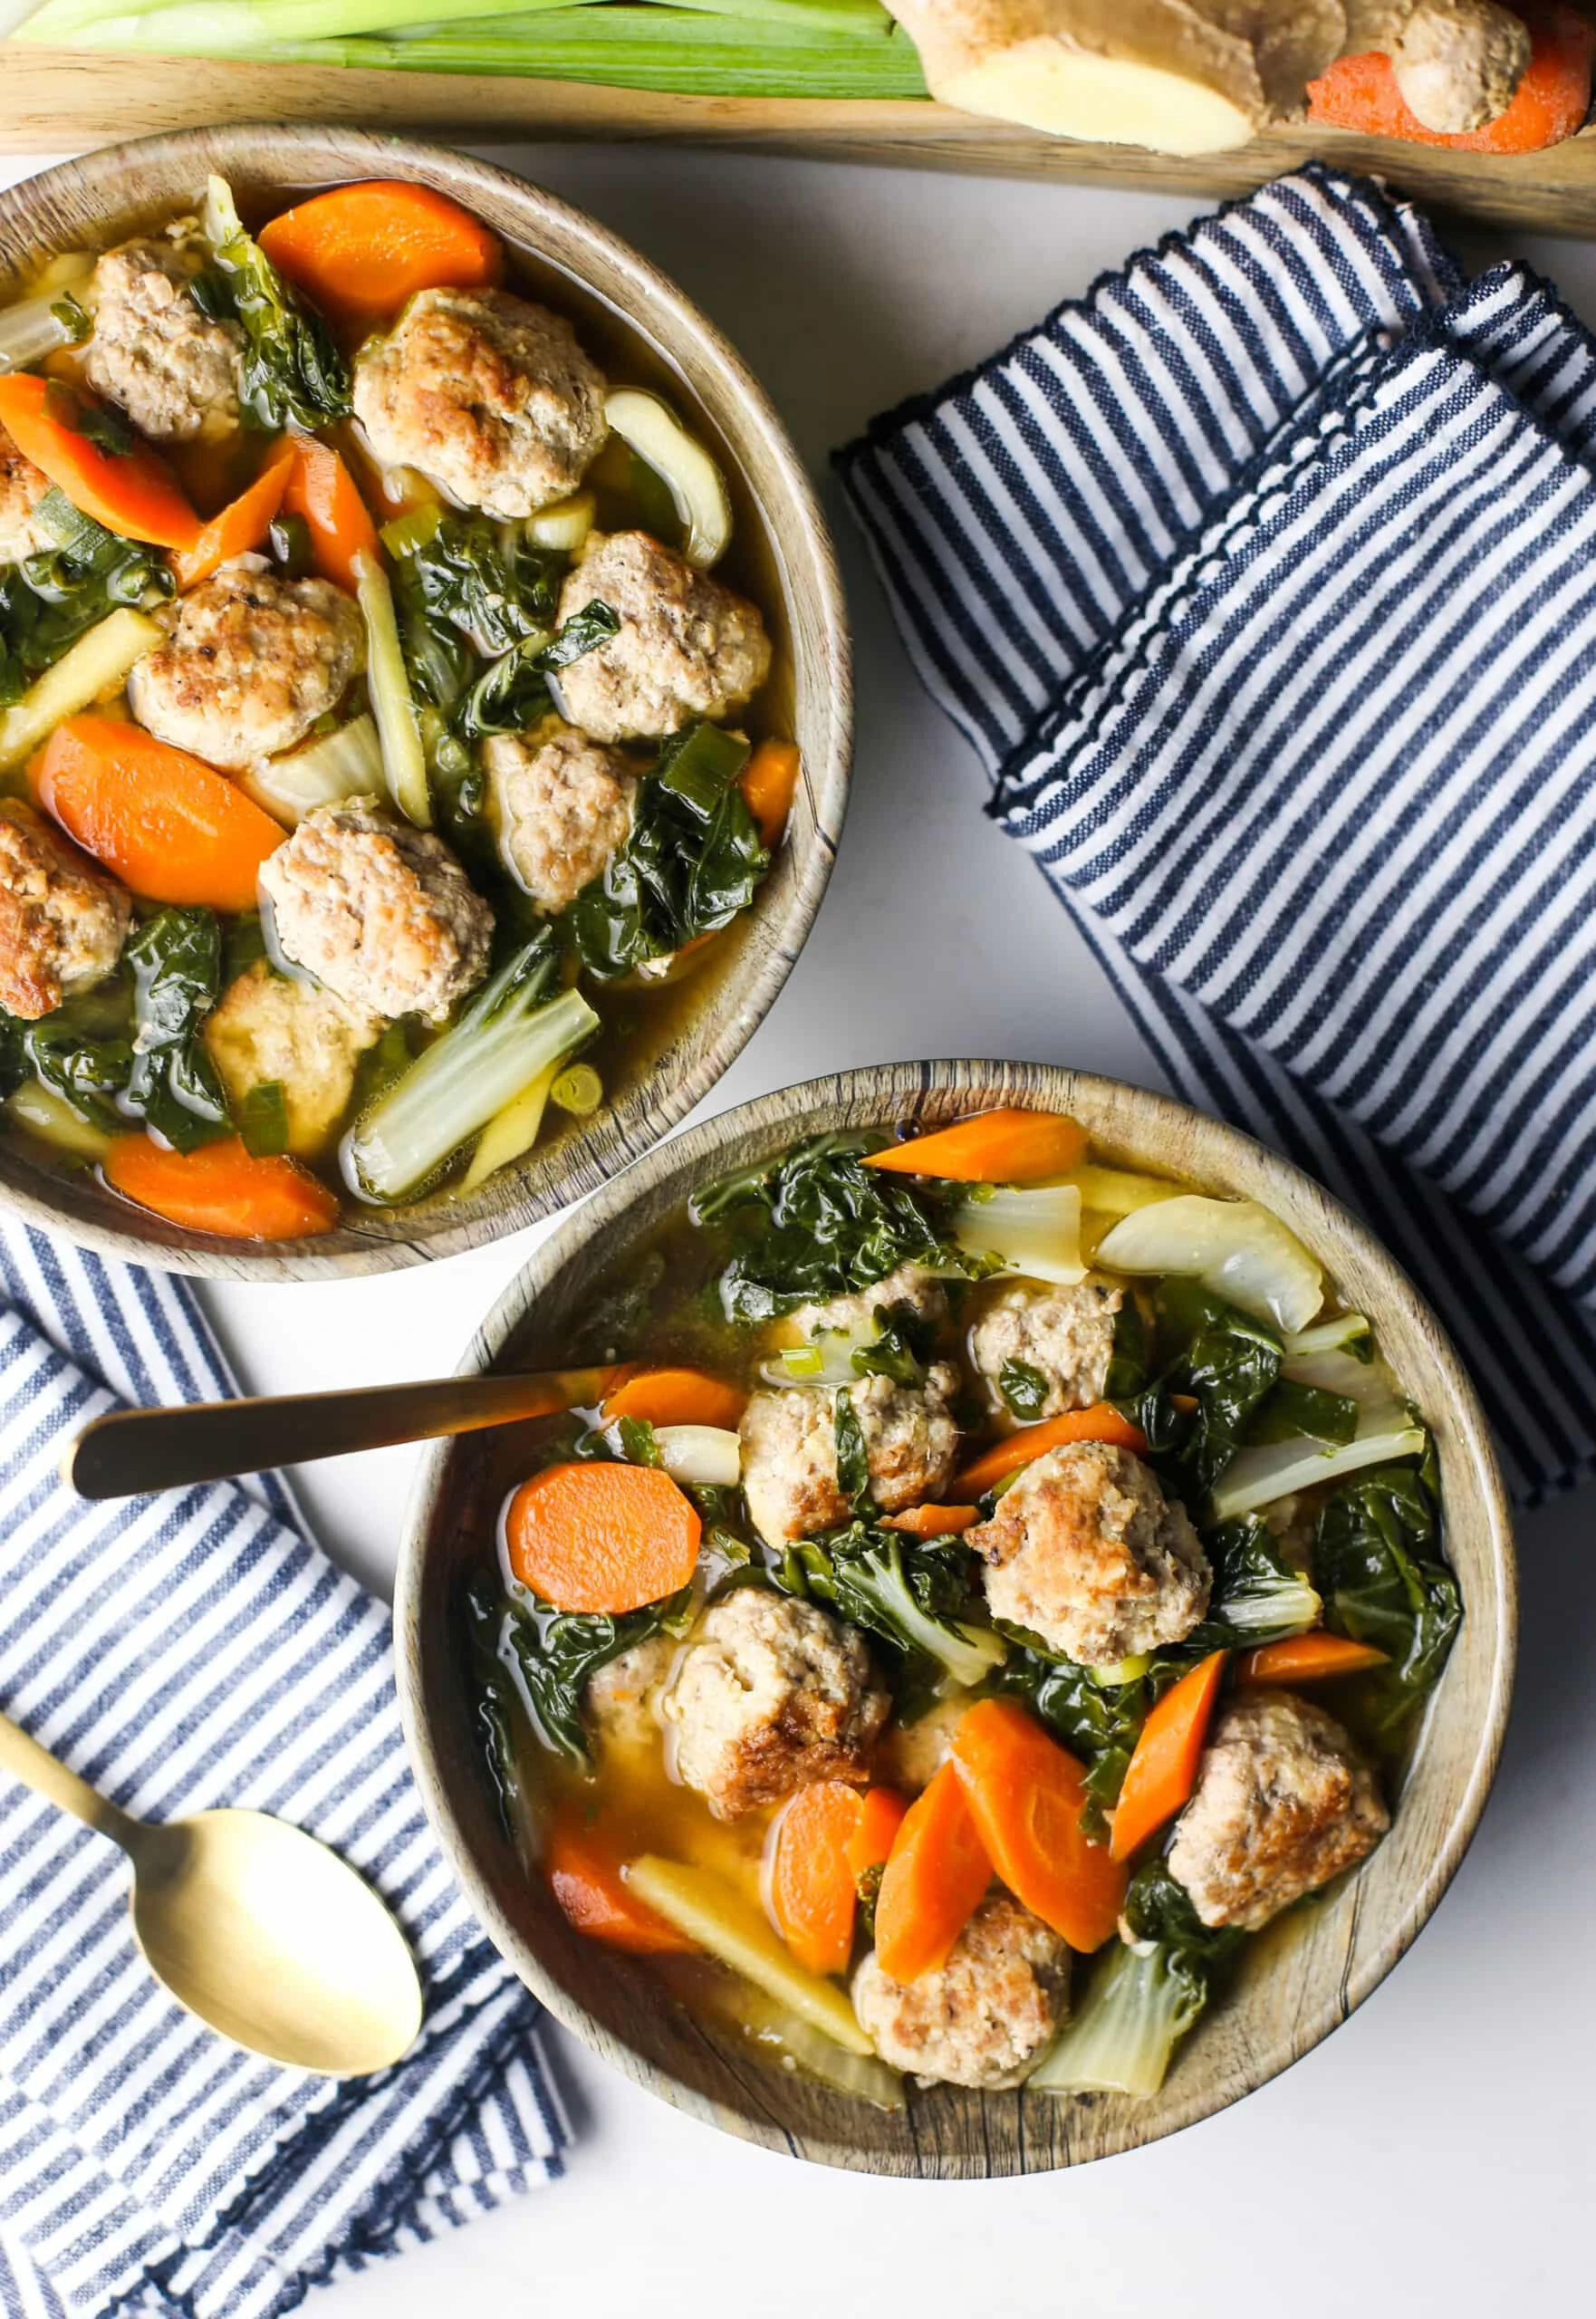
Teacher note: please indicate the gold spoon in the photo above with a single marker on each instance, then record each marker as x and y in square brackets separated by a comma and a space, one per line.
[135, 1450]
[254, 1927]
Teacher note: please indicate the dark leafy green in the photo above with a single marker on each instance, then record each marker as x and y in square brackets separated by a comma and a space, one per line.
[512, 693]
[853, 1468]
[815, 1224]
[51, 599]
[1099, 1723]
[488, 582]
[175, 958]
[1023, 1388]
[263, 1120]
[74, 318]
[1207, 1352]
[552, 1654]
[899, 1349]
[290, 371]
[916, 1596]
[1376, 1564]
[1289, 1410]
[1159, 1909]
[100, 423]
[1257, 1595]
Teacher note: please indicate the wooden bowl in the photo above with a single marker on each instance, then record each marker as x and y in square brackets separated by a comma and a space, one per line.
[1295, 1985]
[682, 1052]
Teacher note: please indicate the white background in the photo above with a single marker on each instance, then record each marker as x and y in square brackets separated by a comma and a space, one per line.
[1435, 2154]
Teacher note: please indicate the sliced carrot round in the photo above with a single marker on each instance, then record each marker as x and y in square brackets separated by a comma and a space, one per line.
[935, 1875]
[602, 1537]
[1306, 1659]
[1103, 1422]
[1027, 1796]
[361, 250]
[809, 1887]
[677, 1396]
[881, 1812]
[1001, 1147]
[132, 492]
[172, 828]
[1163, 1769]
[221, 1187]
[584, 1876]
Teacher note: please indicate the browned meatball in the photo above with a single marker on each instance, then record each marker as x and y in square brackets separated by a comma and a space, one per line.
[381, 912]
[983, 2016]
[249, 663]
[687, 646]
[488, 394]
[563, 805]
[771, 1694]
[1085, 1552]
[1284, 1801]
[271, 1029]
[789, 1440]
[1065, 1334]
[21, 486]
[62, 924]
[173, 372]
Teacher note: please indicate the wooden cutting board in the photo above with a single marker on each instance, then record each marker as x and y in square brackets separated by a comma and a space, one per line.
[57, 100]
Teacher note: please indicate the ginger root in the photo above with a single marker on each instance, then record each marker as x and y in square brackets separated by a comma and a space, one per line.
[1199, 76]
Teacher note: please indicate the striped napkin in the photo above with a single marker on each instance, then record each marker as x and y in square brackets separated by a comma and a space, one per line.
[1262, 581]
[179, 1651]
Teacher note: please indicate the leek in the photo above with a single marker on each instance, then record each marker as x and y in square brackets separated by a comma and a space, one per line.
[1387, 1431]
[694, 483]
[96, 666]
[242, 26]
[29, 331]
[512, 1131]
[565, 526]
[344, 763]
[53, 1119]
[398, 730]
[1234, 1247]
[1347, 1332]
[1034, 1232]
[710, 1456]
[501, 1042]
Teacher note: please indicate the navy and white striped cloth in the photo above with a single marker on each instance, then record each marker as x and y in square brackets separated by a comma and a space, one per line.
[179, 1651]
[1263, 582]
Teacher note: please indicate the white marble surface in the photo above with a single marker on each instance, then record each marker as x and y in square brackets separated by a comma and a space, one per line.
[1434, 2155]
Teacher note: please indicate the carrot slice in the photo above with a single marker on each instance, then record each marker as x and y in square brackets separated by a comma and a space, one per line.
[361, 250]
[321, 489]
[810, 1885]
[169, 826]
[1306, 1659]
[770, 784]
[131, 492]
[677, 1396]
[933, 1521]
[1102, 1422]
[881, 1812]
[1003, 1146]
[1027, 1796]
[1550, 102]
[221, 1187]
[932, 1884]
[602, 1537]
[1163, 1769]
[241, 526]
[584, 1876]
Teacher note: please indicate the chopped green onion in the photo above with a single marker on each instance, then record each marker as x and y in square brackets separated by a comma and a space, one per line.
[579, 1091]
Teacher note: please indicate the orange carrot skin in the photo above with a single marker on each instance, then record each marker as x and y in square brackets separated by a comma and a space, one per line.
[1102, 1422]
[1001, 1147]
[1550, 102]
[677, 1396]
[135, 495]
[933, 1521]
[321, 489]
[934, 1881]
[1306, 1659]
[1027, 1796]
[221, 1187]
[810, 1885]
[584, 1874]
[363, 250]
[241, 526]
[881, 1812]
[770, 784]
[172, 828]
[1163, 1769]
[602, 1537]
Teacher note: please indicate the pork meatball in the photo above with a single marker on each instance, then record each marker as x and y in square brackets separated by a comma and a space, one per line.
[379, 911]
[686, 647]
[771, 1694]
[910, 1284]
[912, 1753]
[153, 352]
[993, 2006]
[21, 486]
[1086, 1553]
[489, 396]
[623, 1699]
[1065, 1334]
[1284, 1801]
[62, 924]
[248, 665]
[268, 1027]
[562, 804]
[789, 1441]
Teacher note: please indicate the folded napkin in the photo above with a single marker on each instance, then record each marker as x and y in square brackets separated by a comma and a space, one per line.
[180, 1651]
[1263, 582]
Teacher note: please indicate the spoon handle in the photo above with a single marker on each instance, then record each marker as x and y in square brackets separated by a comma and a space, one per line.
[135, 1450]
[37, 1768]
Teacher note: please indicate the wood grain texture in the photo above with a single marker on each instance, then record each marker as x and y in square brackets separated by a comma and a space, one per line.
[61, 96]
[116, 191]
[1297, 1983]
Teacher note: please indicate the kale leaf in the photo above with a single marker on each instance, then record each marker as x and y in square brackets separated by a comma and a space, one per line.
[1023, 1388]
[853, 1466]
[552, 1654]
[51, 598]
[175, 958]
[815, 1223]
[1257, 1595]
[916, 1596]
[1376, 1564]
[512, 693]
[1157, 1907]
[1208, 1353]
[484, 581]
[1290, 1410]
[289, 370]
[1098, 1722]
